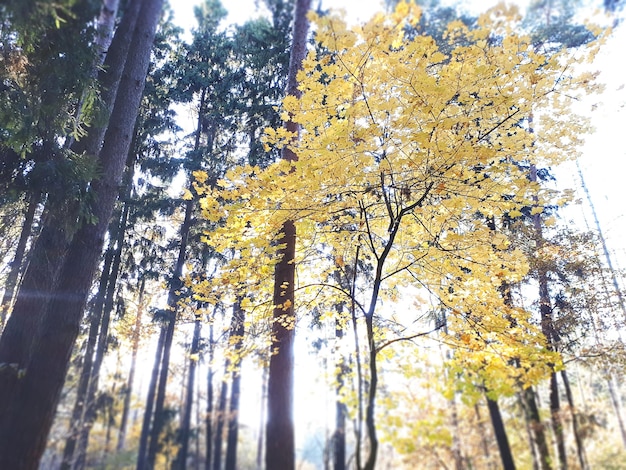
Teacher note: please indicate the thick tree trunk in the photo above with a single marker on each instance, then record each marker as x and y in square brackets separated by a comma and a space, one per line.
[84, 408]
[76, 420]
[236, 343]
[280, 440]
[185, 426]
[128, 392]
[107, 308]
[501, 438]
[25, 430]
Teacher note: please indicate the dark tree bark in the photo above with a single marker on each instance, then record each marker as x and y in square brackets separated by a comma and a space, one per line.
[500, 432]
[25, 429]
[280, 441]
[185, 426]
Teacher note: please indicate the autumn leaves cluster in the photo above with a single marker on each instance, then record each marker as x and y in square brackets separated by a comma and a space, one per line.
[413, 163]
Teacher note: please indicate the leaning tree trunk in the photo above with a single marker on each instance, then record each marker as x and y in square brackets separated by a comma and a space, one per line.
[98, 334]
[280, 451]
[89, 415]
[25, 429]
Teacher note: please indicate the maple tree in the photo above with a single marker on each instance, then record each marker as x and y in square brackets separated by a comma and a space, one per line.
[403, 152]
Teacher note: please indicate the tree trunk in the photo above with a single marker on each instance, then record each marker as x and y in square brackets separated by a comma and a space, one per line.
[76, 420]
[483, 435]
[142, 453]
[128, 392]
[280, 440]
[261, 436]
[210, 412]
[236, 343]
[84, 407]
[538, 429]
[551, 335]
[220, 417]
[185, 426]
[50, 248]
[17, 264]
[580, 449]
[25, 431]
[176, 284]
[103, 337]
[500, 433]
[339, 436]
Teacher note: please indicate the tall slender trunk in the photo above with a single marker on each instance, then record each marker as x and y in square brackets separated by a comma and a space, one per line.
[76, 420]
[580, 449]
[529, 432]
[280, 451]
[537, 428]
[220, 417]
[176, 284]
[25, 430]
[261, 436]
[616, 401]
[236, 343]
[483, 435]
[551, 335]
[142, 453]
[210, 411]
[17, 264]
[185, 426]
[339, 436]
[501, 438]
[457, 453]
[128, 391]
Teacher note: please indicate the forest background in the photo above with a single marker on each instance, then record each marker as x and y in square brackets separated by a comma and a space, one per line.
[230, 80]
